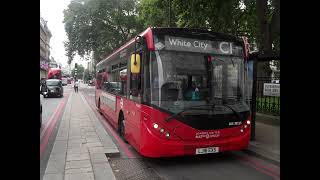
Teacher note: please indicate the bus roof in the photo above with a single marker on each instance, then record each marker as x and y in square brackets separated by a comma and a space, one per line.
[147, 33]
[194, 31]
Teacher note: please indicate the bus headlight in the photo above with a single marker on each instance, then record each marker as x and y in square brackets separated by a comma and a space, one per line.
[248, 122]
[241, 130]
[167, 135]
[245, 126]
[161, 130]
[155, 125]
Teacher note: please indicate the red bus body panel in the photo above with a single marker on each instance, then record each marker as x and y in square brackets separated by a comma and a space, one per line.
[54, 72]
[152, 145]
[141, 136]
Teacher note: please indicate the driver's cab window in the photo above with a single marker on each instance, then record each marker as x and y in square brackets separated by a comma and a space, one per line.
[135, 84]
[194, 87]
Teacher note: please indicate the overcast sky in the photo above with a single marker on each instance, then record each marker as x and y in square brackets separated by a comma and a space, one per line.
[52, 11]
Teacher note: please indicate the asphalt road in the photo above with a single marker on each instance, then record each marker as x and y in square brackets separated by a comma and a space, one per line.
[50, 105]
[52, 110]
[230, 165]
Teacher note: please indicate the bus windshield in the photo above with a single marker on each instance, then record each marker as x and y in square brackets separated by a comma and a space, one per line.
[184, 79]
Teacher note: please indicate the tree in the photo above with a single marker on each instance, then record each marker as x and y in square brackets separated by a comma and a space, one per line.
[86, 76]
[155, 13]
[217, 15]
[80, 71]
[252, 18]
[268, 13]
[99, 26]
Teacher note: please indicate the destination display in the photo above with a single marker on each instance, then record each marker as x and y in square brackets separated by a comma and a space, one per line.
[201, 46]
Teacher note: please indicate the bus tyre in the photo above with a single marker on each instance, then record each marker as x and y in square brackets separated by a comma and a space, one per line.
[121, 127]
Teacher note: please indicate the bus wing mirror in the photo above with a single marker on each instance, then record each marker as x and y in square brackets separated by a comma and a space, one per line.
[135, 63]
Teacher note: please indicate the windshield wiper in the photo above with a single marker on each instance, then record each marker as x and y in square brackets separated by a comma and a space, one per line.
[234, 111]
[190, 108]
[204, 105]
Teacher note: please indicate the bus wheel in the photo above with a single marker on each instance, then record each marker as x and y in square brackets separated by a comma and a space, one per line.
[121, 127]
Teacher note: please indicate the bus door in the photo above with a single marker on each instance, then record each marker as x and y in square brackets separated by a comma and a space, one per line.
[108, 98]
[133, 121]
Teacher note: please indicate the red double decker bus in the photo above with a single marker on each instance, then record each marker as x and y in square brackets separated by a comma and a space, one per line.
[176, 92]
[54, 73]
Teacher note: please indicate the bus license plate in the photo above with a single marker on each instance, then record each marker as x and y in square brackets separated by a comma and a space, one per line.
[207, 150]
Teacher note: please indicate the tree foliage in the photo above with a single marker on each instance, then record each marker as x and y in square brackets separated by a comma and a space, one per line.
[237, 17]
[155, 13]
[99, 26]
[87, 76]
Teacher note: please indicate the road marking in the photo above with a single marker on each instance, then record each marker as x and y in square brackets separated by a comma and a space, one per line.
[54, 120]
[44, 129]
[275, 173]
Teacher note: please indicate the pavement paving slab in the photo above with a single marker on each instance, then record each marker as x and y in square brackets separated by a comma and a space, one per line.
[79, 149]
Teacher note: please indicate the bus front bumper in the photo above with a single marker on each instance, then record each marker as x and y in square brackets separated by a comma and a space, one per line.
[155, 147]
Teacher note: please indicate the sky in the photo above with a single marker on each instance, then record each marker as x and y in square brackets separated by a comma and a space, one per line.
[52, 12]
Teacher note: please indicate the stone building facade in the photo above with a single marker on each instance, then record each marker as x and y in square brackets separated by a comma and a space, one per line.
[45, 36]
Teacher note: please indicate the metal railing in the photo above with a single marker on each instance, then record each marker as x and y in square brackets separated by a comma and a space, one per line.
[264, 103]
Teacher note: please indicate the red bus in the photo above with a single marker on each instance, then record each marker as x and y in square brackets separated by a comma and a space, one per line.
[176, 92]
[54, 73]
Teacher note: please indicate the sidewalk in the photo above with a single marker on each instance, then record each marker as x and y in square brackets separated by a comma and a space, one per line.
[267, 140]
[81, 145]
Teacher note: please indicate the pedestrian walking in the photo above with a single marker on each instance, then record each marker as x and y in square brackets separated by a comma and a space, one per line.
[76, 86]
[43, 86]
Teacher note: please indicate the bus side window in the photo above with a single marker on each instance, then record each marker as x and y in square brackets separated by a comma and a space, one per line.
[98, 79]
[105, 86]
[134, 90]
[123, 82]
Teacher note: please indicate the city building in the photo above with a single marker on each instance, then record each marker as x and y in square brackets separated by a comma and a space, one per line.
[45, 36]
[66, 70]
[53, 63]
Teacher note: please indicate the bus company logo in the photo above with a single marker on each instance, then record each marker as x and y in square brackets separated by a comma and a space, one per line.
[207, 135]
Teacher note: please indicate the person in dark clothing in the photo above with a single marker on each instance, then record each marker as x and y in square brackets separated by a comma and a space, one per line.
[76, 84]
[43, 86]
